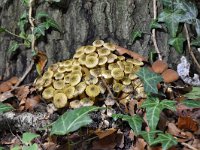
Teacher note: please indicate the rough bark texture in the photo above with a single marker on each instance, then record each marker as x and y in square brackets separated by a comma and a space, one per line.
[82, 21]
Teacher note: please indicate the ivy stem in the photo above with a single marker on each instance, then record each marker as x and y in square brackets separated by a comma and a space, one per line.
[154, 31]
[7, 31]
[189, 46]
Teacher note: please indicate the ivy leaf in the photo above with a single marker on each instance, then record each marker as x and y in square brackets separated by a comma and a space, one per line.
[5, 108]
[39, 30]
[149, 137]
[177, 43]
[31, 147]
[2, 29]
[197, 27]
[196, 42]
[135, 122]
[52, 23]
[27, 137]
[191, 103]
[171, 19]
[72, 120]
[26, 2]
[150, 80]
[13, 47]
[136, 34]
[153, 109]
[194, 94]
[166, 140]
[41, 15]
[155, 25]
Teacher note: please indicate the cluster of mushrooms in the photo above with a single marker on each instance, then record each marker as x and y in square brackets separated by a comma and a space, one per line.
[95, 70]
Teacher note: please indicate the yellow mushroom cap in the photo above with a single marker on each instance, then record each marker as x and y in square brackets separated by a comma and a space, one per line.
[121, 65]
[69, 68]
[60, 100]
[80, 48]
[90, 79]
[76, 68]
[69, 91]
[82, 59]
[106, 74]
[67, 63]
[91, 61]
[53, 67]
[117, 87]
[135, 62]
[111, 58]
[109, 46]
[58, 76]
[112, 66]
[103, 51]
[95, 72]
[92, 90]
[67, 78]
[62, 69]
[121, 58]
[132, 76]
[75, 62]
[126, 81]
[117, 73]
[74, 79]
[86, 102]
[48, 93]
[48, 74]
[39, 81]
[98, 43]
[89, 49]
[47, 82]
[58, 84]
[102, 60]
[80, 88]
[102, 87]
[75, 104]
[78, 54]
[128, 69]
[128, 89]
[93, 54]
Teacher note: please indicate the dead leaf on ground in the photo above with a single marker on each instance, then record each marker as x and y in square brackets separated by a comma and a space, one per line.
[22, 92]
[103, 133]
[30, 103]
[131, 106]
[140, 144]
[187, 123]
[6, 95]
[5, 86]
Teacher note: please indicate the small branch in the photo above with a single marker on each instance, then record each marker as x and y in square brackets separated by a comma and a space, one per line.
[110, 92]
[189, 146]
[154, 31]
[13, 34]
[189, 46]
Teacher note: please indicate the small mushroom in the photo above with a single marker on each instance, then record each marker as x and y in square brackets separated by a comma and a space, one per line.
[60, 100]
[69, 91]
[80, 88]
[128, 69]
[53, 67]
[109, 46]
[117, 73]
[58, 84]
[58, 76]
[126, 81]
[135, 62]
[80, 48]
[74, 79]
[121, 58]
[98, 43]
[91, 61]
[120, 64]
[67, 63]
[62, 69]
[47, 82]
[106, 74]
[132, 76]
[117, 87]
[170, 75]
[111, 58]
[89, 49]
[48, 74]
[128, 88]
[86, 102]
[112, 66]
[90, 79]
[48, 93]
[78, 54]
[159, 66]
[75, 104]
[82, 59]
[93, 54]
[103, 51]
[102, 60]
[95, 72]
[92, 90]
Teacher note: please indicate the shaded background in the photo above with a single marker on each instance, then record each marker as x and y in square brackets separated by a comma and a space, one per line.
[82, 21]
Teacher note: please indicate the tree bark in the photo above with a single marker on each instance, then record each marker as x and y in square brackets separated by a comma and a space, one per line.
[82, 21]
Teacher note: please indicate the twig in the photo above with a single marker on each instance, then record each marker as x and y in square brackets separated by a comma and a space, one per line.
[189, 46]
[154, 31]
[189, 146]
[13, 34]
[110, 92]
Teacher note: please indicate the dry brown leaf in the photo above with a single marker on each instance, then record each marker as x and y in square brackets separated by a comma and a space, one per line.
[22, 92]
[187, 123]
[140, 144]
[134, 55]
[103, 133]
[4, 96]
[30, 103]
[5, 86]
[131, 106]
[13, 80]
[172, 129]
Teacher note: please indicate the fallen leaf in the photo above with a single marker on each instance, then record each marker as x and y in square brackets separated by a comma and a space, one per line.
[172, 129]
[131, 107]
[30, 103]
[187, 123]
[5, 86]
[13, 80]
[103, 133]
[40, 60]
[22, 92]
[134, 55]
[140, 144]
[6, 95]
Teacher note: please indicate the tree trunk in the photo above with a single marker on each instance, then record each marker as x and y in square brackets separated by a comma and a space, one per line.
[82, 21]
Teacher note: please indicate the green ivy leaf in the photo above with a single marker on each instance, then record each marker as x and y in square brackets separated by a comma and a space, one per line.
[150, 80]
[177, 43]
[26, 2]
[166, 140]
[191, 103]
[13, 47]
[72, 120]
[194, 94]
[31, 147]
[27, 137]
[2, 29]
[136, 34]
[155, 25]
[135, 122]
[171, 19]
[149, 137]
[51, 23]
[5, 108]
[39, 30]
[153, 109]
[41, 15]
[17, 147]
[196, 42]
